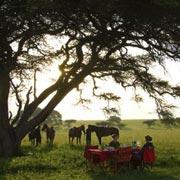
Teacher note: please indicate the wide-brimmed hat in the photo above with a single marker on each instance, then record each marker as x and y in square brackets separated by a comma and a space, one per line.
[148, 138]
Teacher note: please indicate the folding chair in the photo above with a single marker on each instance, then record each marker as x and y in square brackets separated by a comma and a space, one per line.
[148, 157]
[124, 157]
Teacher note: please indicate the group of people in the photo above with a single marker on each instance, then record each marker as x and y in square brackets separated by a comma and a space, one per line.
[115, 143]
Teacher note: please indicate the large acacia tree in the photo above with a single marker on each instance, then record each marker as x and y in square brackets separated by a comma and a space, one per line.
[99, 36]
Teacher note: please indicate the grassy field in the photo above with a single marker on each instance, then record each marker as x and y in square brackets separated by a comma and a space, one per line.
[66, 162]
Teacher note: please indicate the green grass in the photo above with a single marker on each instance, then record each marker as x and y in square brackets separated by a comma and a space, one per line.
[66, 162]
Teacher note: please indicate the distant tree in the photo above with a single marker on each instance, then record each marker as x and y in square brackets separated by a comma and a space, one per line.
[149, 123]
[114, 121]
[168, 120]
[54, 118]
[178, 122]
[102, 123]
[69, 122]
[122, 126]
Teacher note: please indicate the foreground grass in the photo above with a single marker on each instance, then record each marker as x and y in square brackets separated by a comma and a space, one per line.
[66, 162]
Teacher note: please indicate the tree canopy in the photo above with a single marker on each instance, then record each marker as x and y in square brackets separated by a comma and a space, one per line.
[98, 38]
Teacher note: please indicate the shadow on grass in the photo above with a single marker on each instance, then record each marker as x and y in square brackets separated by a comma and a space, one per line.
[130, 175]
[33, 168]
[78, 147]
[30, 161]
[28, 150]
[4, 164]
[43, 148]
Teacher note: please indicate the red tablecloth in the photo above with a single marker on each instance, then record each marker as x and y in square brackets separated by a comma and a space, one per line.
[100, 155]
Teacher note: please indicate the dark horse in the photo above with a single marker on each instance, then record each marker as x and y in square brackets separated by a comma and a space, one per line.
[76, 132]
[35, 136]
[50, 133]
[103, 131]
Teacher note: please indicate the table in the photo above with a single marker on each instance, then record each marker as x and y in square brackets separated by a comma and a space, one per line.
[110, 159]
[101, 157]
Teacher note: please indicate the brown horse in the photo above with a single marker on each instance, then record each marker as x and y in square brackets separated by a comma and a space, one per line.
[50, 133]
[103, 131]
[76, 132]
[35, 136]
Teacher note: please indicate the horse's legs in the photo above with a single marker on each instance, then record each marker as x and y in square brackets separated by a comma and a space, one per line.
[72, 139]
[39, 140]
[33, 141]
[78, 140]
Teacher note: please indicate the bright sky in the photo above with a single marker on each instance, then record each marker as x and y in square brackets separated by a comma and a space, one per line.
[129, 109]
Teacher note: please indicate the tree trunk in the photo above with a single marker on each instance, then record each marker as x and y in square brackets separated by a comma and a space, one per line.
[4, 94]
[9, 145]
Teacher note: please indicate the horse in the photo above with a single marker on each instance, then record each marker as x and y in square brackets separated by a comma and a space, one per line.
[76, 132]
[103, 131]
[50, 133]
[35, 136]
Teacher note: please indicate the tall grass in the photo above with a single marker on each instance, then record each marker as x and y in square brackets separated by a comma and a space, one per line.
[66, 162]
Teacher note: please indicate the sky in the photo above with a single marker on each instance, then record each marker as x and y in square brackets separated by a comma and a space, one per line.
[129, 109]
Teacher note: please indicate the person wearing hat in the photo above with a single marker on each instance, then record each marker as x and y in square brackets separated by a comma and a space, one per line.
[148, 143]
[137, 156]
[114, 143]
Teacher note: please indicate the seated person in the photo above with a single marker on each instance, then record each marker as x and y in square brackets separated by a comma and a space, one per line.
[138, 155]
[148, 143]
[114, 143]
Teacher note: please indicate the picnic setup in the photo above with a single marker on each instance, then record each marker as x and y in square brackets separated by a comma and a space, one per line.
[113, 160]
